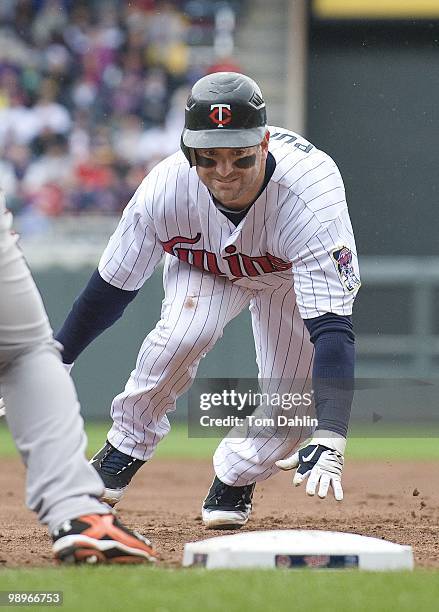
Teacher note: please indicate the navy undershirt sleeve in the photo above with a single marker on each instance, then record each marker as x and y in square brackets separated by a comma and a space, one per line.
[95, 309]
[333, 370]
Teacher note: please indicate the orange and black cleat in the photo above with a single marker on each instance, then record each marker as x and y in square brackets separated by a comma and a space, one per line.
[100, 538]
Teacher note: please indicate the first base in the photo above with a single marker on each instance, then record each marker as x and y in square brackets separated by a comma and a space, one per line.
[298, 549]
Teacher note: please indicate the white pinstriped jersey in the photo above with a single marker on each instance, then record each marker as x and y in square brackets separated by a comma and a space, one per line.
[299, 227]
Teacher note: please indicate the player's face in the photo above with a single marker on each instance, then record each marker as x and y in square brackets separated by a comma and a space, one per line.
[233, 176]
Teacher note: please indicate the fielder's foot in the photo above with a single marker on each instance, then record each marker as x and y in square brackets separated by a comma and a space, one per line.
[227, 507]
[116, 470]
[100, 538]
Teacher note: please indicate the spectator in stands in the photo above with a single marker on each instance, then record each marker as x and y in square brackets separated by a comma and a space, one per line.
[87, 97]
[51, 173]
[49, 114]
[96, 186]
[224, 64]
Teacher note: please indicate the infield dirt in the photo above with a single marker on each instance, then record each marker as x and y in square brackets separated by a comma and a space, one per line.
[393, 500]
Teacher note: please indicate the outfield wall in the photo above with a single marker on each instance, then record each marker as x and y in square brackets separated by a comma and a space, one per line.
[380, 313]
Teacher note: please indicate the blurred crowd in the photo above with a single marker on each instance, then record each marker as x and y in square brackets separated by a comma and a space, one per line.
[92, 95]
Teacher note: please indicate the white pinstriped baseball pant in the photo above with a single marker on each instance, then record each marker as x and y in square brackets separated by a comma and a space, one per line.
[196, 308]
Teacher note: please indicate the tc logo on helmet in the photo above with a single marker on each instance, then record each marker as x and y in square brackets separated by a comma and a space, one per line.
[221, 114]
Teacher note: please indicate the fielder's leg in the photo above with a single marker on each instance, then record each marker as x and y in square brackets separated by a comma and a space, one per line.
[43, 415]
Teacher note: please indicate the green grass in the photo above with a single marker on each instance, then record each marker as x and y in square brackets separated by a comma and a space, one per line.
[414, 446]
[411, 445]
[176, 445]
[157, 590]
[162, 590]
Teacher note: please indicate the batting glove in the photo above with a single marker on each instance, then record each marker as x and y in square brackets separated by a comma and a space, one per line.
[321, 461]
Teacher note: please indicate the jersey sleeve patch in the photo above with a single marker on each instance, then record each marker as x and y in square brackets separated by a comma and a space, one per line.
[343, 261]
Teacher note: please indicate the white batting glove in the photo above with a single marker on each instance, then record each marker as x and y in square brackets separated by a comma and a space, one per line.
[321, 461]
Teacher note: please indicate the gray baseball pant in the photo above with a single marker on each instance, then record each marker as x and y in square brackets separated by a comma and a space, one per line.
[42, 406]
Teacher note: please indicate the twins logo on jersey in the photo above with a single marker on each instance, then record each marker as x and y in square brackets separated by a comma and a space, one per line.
[343, 260]
[239, 264]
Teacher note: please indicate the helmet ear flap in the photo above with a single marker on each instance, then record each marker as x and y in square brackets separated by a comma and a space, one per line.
[189, 153]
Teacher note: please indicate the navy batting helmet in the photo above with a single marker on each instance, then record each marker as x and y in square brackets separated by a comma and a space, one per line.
[224, 109]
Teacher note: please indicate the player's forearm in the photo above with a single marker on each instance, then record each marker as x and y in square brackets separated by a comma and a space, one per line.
[96, 308]
[333, 371]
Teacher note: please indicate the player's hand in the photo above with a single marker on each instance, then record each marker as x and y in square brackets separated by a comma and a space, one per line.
[319, 463]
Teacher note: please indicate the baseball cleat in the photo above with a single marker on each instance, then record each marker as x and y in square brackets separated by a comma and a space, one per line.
[116, 470]
[227, 507]
[100, 538]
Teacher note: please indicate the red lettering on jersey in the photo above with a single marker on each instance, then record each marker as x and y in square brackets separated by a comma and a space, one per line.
[278, 263]
[205, 260]
[198, 258]
[212, 263]
[168, 245]
[233, 261]
[263, 264]
[262, 261]
[239, 264]
[182, 254]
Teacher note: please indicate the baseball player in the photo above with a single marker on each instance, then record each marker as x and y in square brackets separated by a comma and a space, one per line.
[43, 416]
[245, 215]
